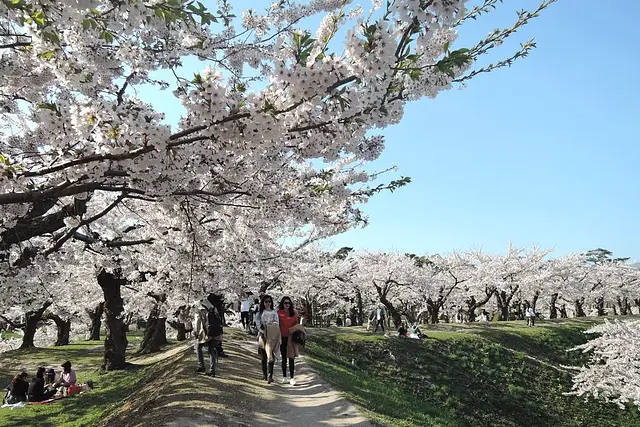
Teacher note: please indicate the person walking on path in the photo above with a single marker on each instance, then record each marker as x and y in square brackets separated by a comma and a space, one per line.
[245, 306]
[379, 317]
[208, 333]
[288, 317]
[269, 338]
[530, 314]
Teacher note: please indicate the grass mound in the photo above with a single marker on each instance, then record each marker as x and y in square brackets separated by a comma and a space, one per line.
[502, 375]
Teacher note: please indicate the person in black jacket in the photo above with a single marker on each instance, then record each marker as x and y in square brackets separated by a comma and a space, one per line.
[37, 392]
[17, 389]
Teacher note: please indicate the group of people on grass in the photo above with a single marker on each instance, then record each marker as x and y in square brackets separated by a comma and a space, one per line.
[43, 386]
[279, 331]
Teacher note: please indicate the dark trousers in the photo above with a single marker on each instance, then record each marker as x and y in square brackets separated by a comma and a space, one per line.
[244, 317]
[283, 353]
[211, 349]
[263, 357]
[379, 323]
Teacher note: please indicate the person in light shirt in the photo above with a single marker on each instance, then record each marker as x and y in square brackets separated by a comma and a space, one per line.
[67, 376]
[245, 307]
[269, 338]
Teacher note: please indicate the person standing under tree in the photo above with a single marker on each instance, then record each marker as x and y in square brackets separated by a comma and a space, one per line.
[379, 317]
[208, 333]
[288, 317]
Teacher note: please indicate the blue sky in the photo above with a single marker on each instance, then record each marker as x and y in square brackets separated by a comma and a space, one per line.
[546, 152]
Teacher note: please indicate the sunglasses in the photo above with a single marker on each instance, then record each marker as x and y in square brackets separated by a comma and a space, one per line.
[268, 302]
[287, 303]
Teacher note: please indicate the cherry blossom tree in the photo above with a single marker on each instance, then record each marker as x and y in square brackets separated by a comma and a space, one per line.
[612, 373]
[277, 128]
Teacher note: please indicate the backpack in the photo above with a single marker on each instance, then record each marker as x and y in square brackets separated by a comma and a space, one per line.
[214, 323]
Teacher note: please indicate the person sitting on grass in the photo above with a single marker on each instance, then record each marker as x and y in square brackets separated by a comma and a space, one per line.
[416, 332]
[67, 376]
[402, 330]
[37, 392]
[17, 389]
[49, 377]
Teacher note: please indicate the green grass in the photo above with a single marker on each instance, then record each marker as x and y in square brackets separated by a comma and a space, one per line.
[6, 335]
[498, 375]
[82, 410]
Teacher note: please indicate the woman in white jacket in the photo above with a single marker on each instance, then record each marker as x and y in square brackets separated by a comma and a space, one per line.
[269, 338]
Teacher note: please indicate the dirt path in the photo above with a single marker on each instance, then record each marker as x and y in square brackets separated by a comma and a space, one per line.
[238, 396]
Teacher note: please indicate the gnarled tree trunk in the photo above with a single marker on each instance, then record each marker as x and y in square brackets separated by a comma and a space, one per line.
[31, 325]
[578, 307]
[563, 312]
[181, 329]
[473, 305]
[434, 311]
[115, 343]
[95, 316]
[503, 301]
[553, 310]
[64, 328]
[600, 307]
[625, 307]
[155, 336]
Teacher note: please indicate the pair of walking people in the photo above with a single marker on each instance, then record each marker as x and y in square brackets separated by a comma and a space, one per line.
[278, 330]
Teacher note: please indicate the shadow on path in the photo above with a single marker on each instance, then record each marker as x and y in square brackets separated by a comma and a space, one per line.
[238, 396]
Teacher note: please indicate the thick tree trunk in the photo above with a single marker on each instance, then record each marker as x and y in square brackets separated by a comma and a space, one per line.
[393, 312]
[115, 343]
[472, 304]
[600, 307]
[353, 316]
[625, 307]
[155, 336]
[31, 325]
[181, 329]
[29, 330]
[434, 311]
[536, 295]
[563, 312]
[553, 310]
[578, 307]
[95, 316]
[503, 305]
[64, 329]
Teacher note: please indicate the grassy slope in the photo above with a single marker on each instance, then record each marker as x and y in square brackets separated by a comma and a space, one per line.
[87, 409]
[499, 375]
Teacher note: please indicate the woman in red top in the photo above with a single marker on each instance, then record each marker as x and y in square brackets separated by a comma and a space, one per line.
[288, 317]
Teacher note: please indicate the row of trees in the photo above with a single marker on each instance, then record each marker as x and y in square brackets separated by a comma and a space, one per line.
[432, 288]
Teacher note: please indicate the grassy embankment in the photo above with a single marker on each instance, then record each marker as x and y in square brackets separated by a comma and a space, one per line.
[497, 375]
[82, 410]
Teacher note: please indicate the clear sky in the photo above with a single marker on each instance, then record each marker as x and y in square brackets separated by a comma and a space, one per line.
[546, 152]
